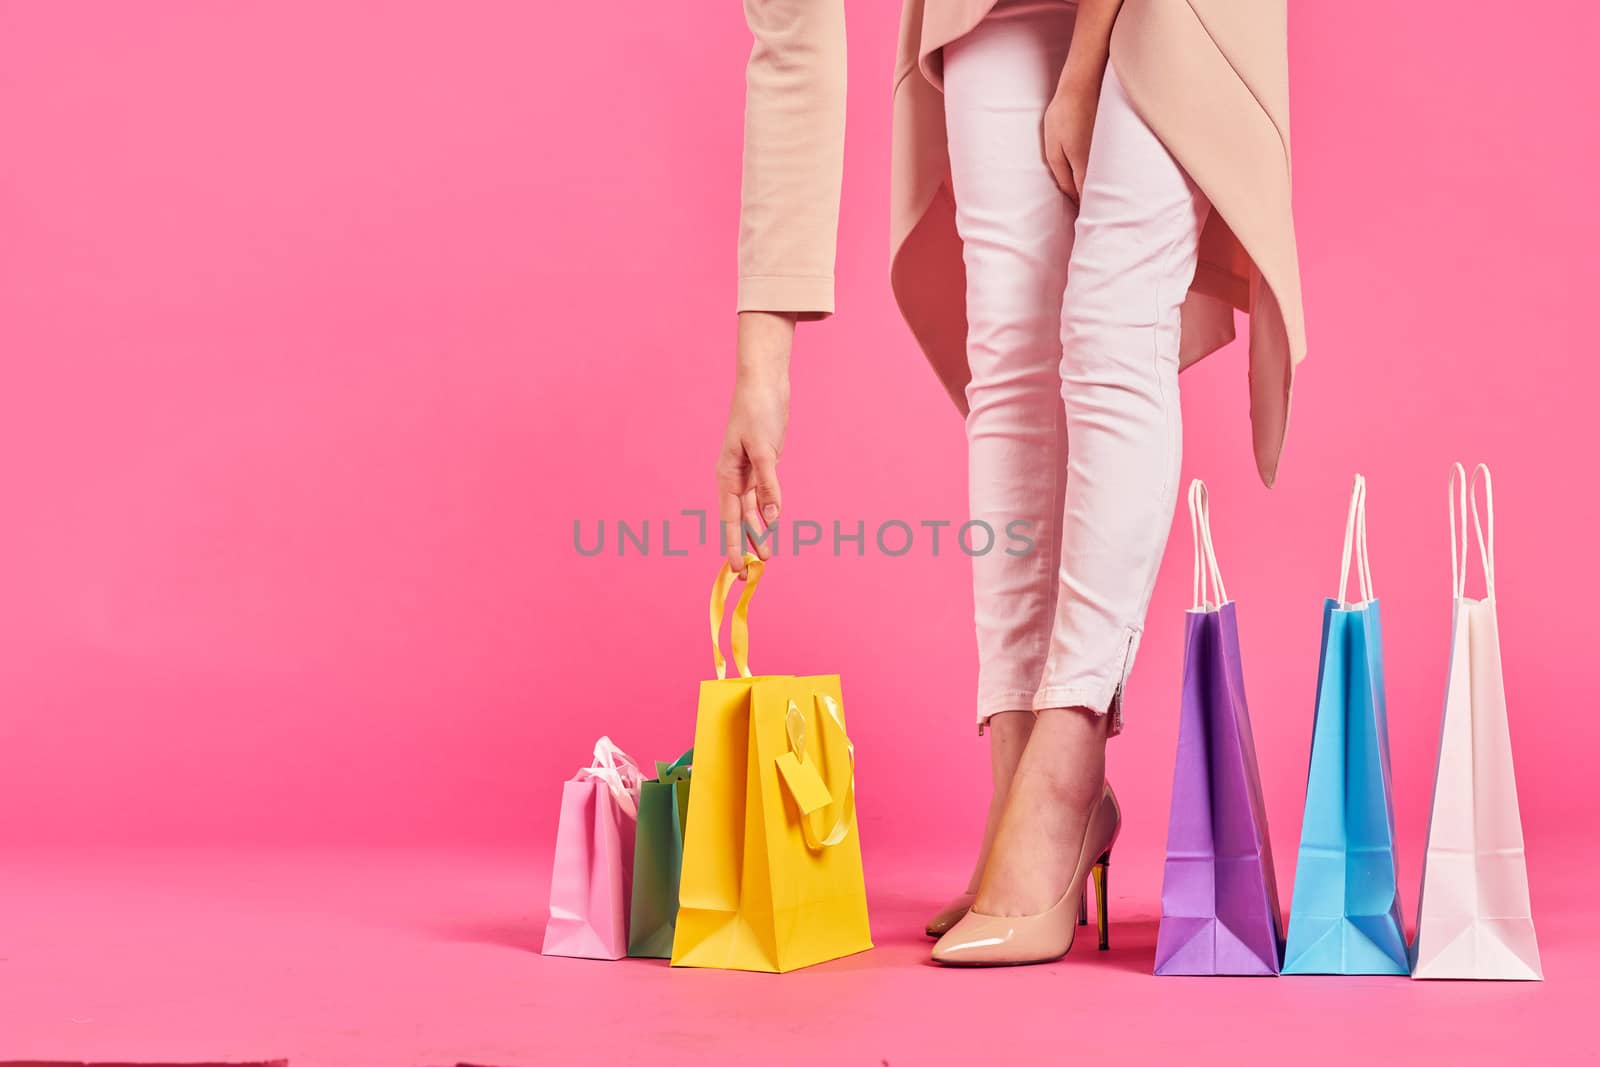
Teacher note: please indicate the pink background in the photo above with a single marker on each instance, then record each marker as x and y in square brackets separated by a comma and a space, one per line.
[323, 322]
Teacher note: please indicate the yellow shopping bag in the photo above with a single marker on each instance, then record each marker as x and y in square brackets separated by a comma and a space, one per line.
[771, 856]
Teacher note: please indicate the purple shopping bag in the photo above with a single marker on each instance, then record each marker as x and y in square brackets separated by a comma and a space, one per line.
[1219, 898]
[591, 880]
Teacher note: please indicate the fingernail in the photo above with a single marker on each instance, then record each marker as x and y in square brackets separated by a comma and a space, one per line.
[771, 513]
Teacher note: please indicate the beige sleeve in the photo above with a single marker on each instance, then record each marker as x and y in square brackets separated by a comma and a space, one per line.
[793, 155]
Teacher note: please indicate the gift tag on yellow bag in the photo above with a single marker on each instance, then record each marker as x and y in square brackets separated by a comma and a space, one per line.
[800, 775]
[805, 785]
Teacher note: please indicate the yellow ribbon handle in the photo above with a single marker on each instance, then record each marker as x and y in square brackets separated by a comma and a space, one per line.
[740, 629]
[805, 784]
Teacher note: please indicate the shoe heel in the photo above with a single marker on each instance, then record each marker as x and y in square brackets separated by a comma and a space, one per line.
[1099, 873]
[1083, 909]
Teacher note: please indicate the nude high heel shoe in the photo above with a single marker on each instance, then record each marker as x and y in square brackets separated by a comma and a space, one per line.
[949, 915]
[943, 920]
[980, 940]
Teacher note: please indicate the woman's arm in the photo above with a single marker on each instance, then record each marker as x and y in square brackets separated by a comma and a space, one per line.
[793, 156]
[1069, 120]
[748, 497]
[788, 223]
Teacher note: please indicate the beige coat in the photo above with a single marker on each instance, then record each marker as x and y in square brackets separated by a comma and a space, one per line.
[1210, 77]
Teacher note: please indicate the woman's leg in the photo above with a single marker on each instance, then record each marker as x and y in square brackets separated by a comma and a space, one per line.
[1016, 230]
[1133, 260]
[1008, 736]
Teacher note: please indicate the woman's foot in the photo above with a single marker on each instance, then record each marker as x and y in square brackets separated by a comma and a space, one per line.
[1008, 737]
[1058, 784]
[981, 940]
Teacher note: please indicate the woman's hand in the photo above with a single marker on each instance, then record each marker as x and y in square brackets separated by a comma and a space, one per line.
[1068, 125]
[749, 500]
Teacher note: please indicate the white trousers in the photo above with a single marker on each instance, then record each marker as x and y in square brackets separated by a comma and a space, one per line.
[1074, 434]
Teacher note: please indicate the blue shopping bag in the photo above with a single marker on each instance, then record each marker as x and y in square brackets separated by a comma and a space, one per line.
[1345, 914]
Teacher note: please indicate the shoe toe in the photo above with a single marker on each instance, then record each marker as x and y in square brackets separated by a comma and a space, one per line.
[953, 912]
[975, 941]
[980, 940]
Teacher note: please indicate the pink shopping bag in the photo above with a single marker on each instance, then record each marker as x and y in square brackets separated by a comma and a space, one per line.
[591, 879]
[1474, 919]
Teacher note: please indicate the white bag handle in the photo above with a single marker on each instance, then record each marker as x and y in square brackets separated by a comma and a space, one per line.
[1355, 539]
[617, 770]
[1465, 491]
[1207, 575]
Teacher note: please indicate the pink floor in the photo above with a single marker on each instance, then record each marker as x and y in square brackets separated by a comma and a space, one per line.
[430, 957]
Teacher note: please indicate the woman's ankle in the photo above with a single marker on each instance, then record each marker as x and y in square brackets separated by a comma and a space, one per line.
[1068, 751]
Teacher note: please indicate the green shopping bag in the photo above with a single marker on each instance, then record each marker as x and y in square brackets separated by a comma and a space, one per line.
[658, 858]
